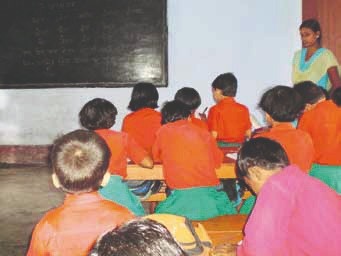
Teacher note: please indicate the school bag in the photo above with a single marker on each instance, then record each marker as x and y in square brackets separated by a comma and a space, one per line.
[193, 240]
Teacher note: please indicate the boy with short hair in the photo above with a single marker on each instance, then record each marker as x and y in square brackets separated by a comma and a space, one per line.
[228, 121]
[286, 219]
[192, 99]
[99, 115]
[189, 156]
[79, 160]
[322, 121]
[282, 105]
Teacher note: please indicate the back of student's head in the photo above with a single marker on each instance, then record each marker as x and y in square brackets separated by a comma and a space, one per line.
[260, 152]
[309, 92]
[79, 160]
[282, 103]
[173, 111]
[336, 96]
[98, 114]
[144, 95]
[142, 237]
[227, 83]
[189, 96]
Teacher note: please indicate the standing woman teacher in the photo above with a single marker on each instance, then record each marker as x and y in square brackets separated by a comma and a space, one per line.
[313, 62]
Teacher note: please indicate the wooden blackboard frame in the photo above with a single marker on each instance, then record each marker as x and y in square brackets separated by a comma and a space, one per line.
[6, 56]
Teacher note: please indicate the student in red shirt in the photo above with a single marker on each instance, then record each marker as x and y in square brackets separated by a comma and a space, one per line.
[192, 99]
[322, 120]
[189, 156]
[99, 115]
[228, 121]
[282, 105]
[143, 122]
[79, 160]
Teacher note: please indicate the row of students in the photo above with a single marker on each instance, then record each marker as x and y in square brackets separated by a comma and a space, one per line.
[80, 160]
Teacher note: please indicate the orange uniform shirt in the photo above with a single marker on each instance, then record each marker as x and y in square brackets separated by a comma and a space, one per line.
[142, 126]
[73, 227]
[323, 123]
[296, 143]
[189, 155]
[122, 147]
[230, 120]
[198, 122]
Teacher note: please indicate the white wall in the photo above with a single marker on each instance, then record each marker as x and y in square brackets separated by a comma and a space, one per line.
[253, 39]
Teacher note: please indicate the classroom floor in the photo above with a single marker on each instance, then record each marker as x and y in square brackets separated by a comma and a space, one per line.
[26, 193]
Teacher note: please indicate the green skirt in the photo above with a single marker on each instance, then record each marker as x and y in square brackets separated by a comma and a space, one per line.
[248, 205]
[117, 191]
[199, 203]
[329, 174]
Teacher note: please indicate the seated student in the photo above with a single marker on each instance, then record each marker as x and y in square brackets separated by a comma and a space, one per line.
[294, 214]
[282, 105]
[228, 121]
[189, 156]
[191, 98]
[322, 121]
[141, 237]
[99, 115]
[79, 161]
[144, 121]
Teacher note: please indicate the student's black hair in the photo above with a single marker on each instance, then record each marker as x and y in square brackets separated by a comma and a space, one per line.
[98, 114]
[144, 95]
[325, 92]
[189, 96]
[173, 111]
[140, 237]
[227, 83]
[309, 92]
[314, 25]
[336, 96]
[282, 103]
[80, 159]
[261, 152]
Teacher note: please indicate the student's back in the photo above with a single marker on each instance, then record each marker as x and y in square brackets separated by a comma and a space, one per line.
[144, 121]
[79, 160]
[323, 123]
[282, 105]
[228, 120]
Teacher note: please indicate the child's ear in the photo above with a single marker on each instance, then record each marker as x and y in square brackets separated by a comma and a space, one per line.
[255, 173]
[106, 179]
[55, 181]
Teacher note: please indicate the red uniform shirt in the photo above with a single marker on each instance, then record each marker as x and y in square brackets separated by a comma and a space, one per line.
[230, 120]
[323, 123]
[142, 126]
[73, 227]
[189, 155]
[296, 143]
[122, 148]
[198, 122]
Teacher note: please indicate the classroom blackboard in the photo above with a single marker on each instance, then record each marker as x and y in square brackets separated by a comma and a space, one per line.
[82, 43]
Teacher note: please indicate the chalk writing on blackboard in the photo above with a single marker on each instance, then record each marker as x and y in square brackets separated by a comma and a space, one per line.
[82, 43]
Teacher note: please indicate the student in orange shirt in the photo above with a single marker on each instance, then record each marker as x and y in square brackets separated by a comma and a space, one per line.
[282, 105]
[144, 121]
[189, 156]
[228, 121]
[79, 160]
[191, 98]
[99, 115]
[322, 120]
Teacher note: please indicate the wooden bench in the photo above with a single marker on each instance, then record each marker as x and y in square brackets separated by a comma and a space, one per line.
[224, 229]
[136, 172]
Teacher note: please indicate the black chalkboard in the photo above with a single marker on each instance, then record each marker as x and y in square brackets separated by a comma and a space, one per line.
[82, 43]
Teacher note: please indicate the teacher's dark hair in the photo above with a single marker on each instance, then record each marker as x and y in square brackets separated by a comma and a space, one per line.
[314, 25]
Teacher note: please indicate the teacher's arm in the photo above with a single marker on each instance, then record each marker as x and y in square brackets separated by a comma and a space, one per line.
[334, 77]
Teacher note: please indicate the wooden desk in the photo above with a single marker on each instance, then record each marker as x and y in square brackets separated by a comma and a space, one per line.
[225, 229]
[136, 172]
